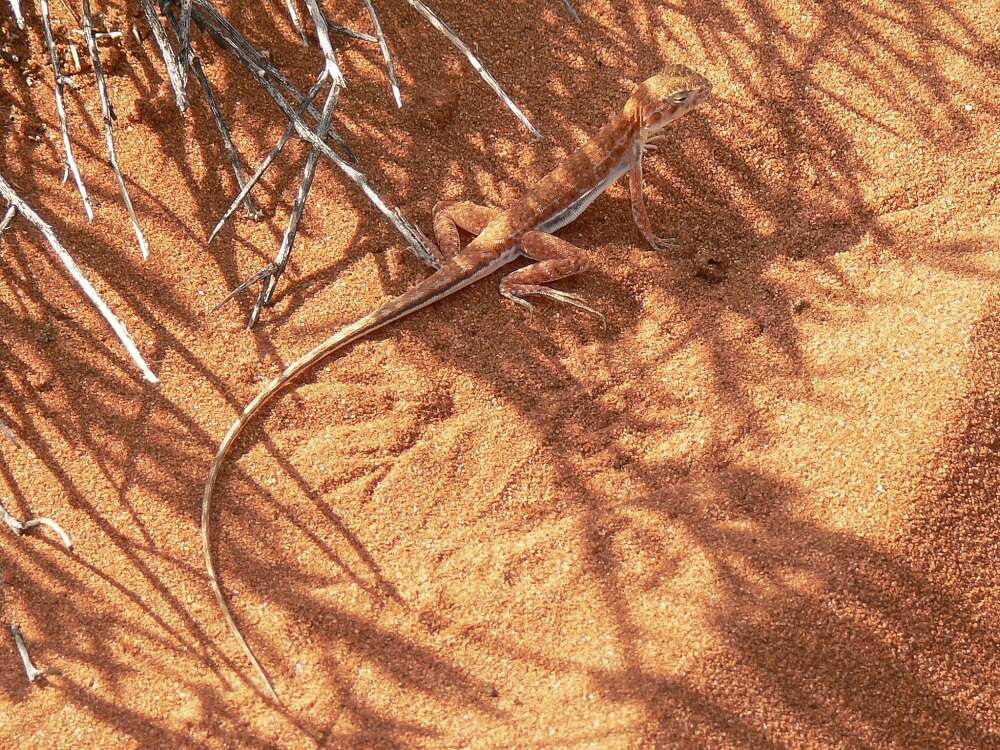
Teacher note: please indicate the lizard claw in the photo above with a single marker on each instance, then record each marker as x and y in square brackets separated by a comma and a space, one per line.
[575, 300]
[662, 243]
[519, 300]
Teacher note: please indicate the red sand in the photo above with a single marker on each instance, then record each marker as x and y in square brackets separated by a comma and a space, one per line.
[759, 510]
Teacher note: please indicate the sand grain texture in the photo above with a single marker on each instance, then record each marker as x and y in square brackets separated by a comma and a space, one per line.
[759, 510]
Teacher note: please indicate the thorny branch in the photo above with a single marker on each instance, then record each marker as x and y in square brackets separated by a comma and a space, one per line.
[293, 14]
[15, 6]
[21, 527]
[245, 191]
[438, 23]
[235, 161]
[571, 10]
[7, 219]
[273, 271]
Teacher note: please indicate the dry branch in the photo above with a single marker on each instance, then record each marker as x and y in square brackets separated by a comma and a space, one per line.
[174, 73]
[285, 137]
[30, 669]
[438, 23]
[386, 54]
[20, 527]
[7, 219]
[277, 268]
[61, 109]
[108, 113]
[9, 434]
[572, 10]
[15, 6]
[293, 14]
[81, 280]
[323, 34]
[235, 161]
[234, 41]
[184, 35]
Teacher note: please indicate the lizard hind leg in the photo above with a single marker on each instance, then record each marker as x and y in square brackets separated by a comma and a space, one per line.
[450, 216]
[557, 259]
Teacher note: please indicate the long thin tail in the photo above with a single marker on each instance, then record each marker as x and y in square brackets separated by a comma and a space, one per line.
[458, 273]
[338, 341]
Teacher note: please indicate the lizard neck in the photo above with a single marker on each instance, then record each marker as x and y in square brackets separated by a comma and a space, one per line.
[589, 171]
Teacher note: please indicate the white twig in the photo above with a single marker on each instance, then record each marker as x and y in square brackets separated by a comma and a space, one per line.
[61, 109]
[15, 5]
[7, 219]
[77, 275]
[30, 669]
[285, 137]
[174, 73]
[438, 23]
[20, 527]
[9, 434]
[323, 34]
[235, 161]
[277, 268]
[185, 39]
[572, 10]
[108, 113]
[386, 54]
[293, 13]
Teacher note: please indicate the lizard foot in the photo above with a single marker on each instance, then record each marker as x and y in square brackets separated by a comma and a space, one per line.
[662, 243]
[575, 300]
[518, 299]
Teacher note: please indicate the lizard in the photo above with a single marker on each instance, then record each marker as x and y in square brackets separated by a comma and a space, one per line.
[524, 229]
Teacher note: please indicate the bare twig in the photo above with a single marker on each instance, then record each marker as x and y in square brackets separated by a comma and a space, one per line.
[277, 268]
[419, 244]
[359, 35]
[108, 113]
[7, 219]
[293, 13]
[20, 527]
[386, 54]
[474, 61]
[262, 169]
[323, 34]
[15, 6]
[234, 41]
[69, 9]
[61, 109]
[184, 35]
[77, 275]
[174, 73]
[9, 434]
[227, 137]
[572, 10]
[30, 669]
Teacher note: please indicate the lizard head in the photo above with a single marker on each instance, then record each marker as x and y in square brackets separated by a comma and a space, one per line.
[666, 96]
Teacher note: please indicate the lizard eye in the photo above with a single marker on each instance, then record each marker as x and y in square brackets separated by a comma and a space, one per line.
[681, 97]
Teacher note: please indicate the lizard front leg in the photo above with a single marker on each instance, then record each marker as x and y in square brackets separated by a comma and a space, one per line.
[557, 259]
[450, 216]
[639, 212]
